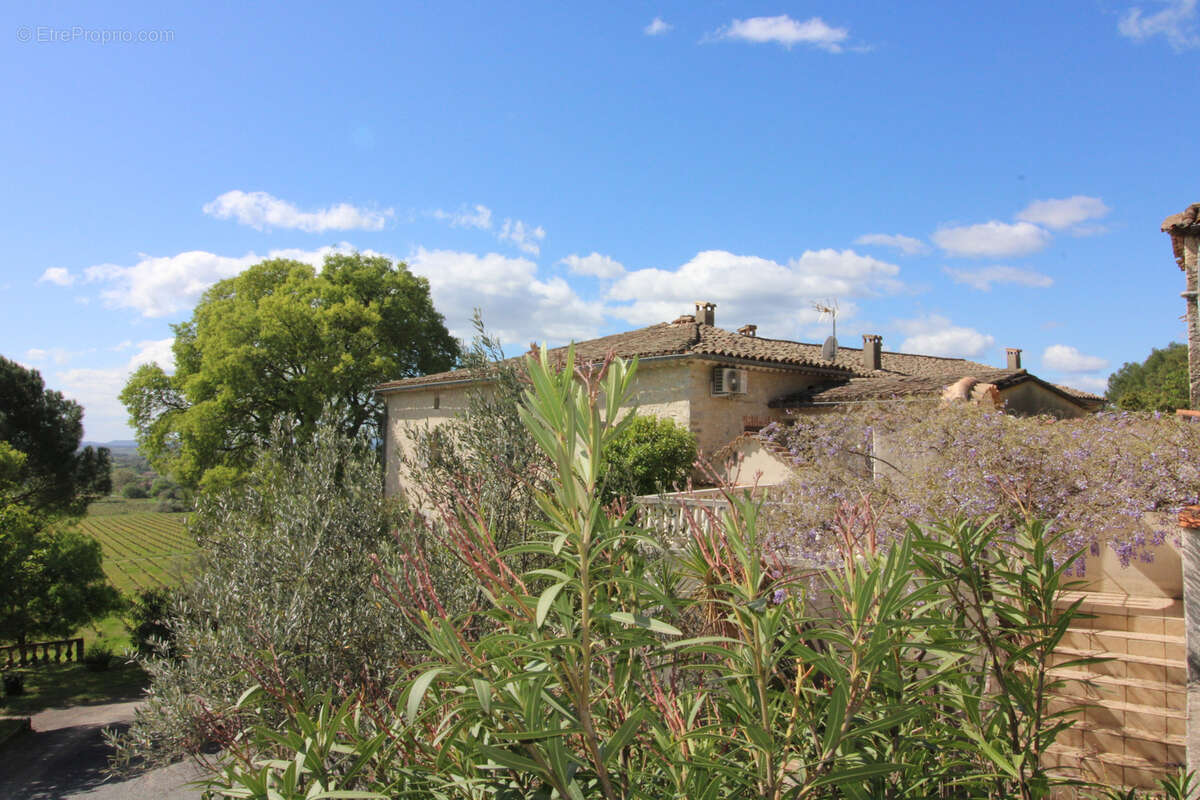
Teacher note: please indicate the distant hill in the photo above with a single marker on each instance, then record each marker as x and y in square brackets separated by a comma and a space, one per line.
[116, 444]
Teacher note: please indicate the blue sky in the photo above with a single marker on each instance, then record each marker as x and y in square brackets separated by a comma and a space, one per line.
[960, 178]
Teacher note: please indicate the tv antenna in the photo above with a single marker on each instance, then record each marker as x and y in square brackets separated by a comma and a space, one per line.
[830, 348]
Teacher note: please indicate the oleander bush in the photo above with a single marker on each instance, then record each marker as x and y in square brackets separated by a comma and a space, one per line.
[912, 666]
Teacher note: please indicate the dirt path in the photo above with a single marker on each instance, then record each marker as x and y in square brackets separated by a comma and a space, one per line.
[65, 757]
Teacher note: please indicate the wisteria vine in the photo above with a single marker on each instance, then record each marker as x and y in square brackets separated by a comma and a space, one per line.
[1114, 479]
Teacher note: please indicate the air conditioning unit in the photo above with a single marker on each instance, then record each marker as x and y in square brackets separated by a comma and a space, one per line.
[728, 381]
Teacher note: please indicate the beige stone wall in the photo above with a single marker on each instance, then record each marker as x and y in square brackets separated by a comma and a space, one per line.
[679, 390]
[415, 410]
[755, 465]
[717, 421]
[1162, 577]
[661, 390]
[1191, 266]
[1029, 398]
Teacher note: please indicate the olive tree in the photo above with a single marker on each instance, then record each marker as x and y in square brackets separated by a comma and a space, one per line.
[282, 589]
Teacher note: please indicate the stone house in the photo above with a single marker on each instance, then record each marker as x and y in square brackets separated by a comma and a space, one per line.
[720, 384]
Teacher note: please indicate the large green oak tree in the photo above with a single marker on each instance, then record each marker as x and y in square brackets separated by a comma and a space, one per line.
[283, 340]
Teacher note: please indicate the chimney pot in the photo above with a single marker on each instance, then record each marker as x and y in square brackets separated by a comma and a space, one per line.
[872, 352]
[1014, 357]
[748, 330]
[705, 312]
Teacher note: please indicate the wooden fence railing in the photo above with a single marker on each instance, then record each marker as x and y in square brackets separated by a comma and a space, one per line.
[22, 655]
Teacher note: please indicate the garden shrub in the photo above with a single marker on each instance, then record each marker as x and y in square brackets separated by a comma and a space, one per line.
[148, 621]
[651, 455]
[14, 683]
[98, 656]
[914, 670]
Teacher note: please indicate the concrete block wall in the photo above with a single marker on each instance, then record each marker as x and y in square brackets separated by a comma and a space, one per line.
[1133, 730]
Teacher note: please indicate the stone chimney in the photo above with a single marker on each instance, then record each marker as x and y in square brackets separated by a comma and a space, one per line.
[706, 312]
[748, 330]
[872, 352]
[1184, 229]
[1014, 357]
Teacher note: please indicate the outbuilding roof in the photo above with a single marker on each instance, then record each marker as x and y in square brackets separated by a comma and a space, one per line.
[929, 384]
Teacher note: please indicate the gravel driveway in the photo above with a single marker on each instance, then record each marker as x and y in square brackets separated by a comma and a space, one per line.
[65, 757]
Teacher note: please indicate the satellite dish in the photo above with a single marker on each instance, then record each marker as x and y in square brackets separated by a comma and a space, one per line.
[829, 349]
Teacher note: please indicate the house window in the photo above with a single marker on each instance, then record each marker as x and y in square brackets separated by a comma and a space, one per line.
[437, 400]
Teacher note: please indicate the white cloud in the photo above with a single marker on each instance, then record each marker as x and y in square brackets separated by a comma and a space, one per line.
[59, 355]
[517, 305]
[1176, 22]
[1065, 358]
[478, 216]
[777, 297]
[154, 351]
[159, 286]
[527, 238]
[98, 389]
[656, 27]
[1091, 383]
[991, 239]
[785, 31]
[905, 244]
[934, 335]
[596, 265]
[1065, 212]
[982, 279]
[60, 276]
[263, 211]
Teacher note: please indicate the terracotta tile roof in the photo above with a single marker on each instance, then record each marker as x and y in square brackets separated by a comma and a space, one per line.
[902, 374]
[683, 337]
[1189, 517]
[898, 364]
[1080, 393]
[927, 383]
[1185, 222]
